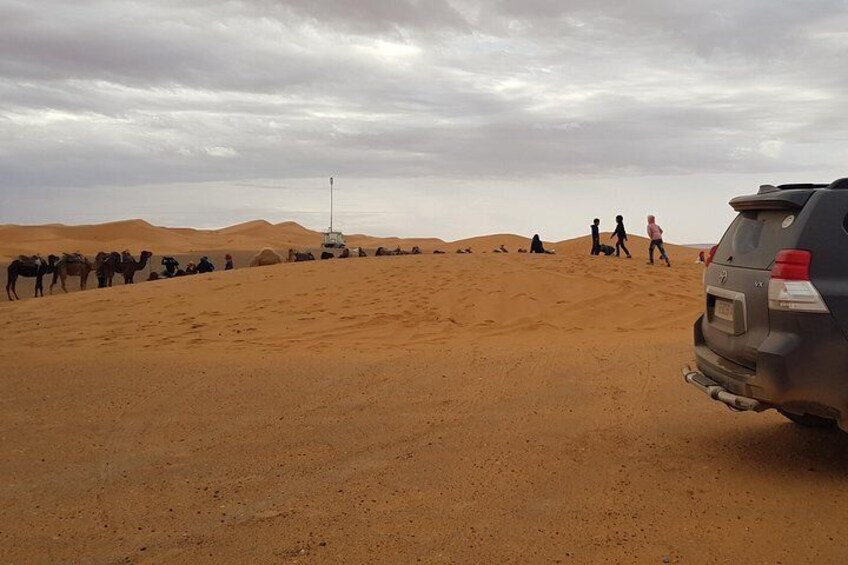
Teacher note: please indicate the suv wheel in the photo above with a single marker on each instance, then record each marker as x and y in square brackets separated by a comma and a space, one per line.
[808, 420]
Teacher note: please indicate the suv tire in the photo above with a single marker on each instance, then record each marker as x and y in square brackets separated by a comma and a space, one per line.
[808, 420]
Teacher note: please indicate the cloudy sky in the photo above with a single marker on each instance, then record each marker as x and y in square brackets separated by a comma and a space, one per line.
[436, 117]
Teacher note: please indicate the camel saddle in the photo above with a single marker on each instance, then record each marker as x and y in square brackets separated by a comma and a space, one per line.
[30, 261]
[73, 258]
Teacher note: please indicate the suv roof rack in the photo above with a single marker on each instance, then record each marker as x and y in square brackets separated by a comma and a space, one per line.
[767, 188]
[807, 185]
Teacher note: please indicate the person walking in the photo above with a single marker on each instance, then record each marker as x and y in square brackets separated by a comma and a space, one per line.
[596, 237]
[655, 232]
[621, 236]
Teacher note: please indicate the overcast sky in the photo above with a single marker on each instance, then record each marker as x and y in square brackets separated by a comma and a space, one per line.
[436, 117]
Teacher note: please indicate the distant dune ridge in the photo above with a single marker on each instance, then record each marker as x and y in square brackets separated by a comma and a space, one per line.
[248, 236]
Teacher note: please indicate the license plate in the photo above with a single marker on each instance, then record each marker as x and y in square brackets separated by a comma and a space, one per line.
[724, 309]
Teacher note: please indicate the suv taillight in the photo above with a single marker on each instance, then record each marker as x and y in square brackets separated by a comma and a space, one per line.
[790, 288]
[792, 265]
[710, 257]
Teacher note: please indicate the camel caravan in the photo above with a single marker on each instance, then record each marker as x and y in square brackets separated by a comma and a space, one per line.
[109, 264]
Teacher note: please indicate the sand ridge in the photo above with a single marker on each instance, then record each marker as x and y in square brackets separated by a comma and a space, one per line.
[249, 236]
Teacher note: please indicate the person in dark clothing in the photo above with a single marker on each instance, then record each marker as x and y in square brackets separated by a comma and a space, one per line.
[170, 265]
[596, 237]
[205, 266]
[536, 245]
[228, 266]
[621, 236]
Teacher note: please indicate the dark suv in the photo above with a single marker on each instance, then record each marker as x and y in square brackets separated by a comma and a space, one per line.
[774, 333]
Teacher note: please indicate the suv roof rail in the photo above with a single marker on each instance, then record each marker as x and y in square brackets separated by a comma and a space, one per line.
[807, 185]
[839, 184]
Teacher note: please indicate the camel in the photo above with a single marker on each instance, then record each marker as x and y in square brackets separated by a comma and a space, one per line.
[265, 257]
[298, 256]
[105, 267]
[438, 252]
[522, 250]
[383, 252]
[72, 265]
[465, 251]
[501, 249]
[352, 252]
[128, 266]
[327, 255]
[29, 267]
[416, 250]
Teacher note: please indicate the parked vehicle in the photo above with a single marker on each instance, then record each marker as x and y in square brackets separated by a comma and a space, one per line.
[774, 333]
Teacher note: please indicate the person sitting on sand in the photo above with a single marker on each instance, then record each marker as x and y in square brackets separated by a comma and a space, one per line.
[596, 237]
[191, 268]
[228, 265]
[655, 232]
[170, 265]
[536, 245]
[205, 265]
[621, 236]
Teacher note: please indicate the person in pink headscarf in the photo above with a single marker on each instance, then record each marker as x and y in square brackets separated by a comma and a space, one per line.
[655, 232]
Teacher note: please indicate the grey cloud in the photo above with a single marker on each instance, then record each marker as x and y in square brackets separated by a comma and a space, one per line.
[119, 93]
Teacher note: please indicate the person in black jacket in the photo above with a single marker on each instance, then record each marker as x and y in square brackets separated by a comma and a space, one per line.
[205, 266]
[171, 265]
[536, 245]
[596, 237]
[621, 236]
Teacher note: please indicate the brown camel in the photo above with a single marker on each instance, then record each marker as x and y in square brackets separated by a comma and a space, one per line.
[29, 267]
[265, 257]
[128, 266]
[298, 256]
[105, 267]
[72, 265]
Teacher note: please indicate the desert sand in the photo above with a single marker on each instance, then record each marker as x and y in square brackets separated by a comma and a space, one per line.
[477, 408]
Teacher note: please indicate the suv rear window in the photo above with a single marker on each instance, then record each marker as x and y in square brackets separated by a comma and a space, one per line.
[755, 237]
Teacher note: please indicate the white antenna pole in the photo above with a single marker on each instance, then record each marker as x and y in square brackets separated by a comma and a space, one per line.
[331, 203]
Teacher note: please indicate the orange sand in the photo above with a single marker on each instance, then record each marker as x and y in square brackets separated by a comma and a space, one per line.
[433, 409]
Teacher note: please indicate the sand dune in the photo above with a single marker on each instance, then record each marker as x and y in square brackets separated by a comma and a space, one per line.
[435, 409]
[248, 236]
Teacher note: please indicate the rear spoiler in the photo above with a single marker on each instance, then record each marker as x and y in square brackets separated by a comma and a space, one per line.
[783, 196]
[777, 199]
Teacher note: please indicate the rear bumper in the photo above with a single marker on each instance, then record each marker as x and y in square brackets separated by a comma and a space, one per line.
[719, 393]
[801, 369]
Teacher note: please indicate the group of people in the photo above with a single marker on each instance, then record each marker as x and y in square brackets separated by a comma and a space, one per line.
[655, 233]
[204, 265]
